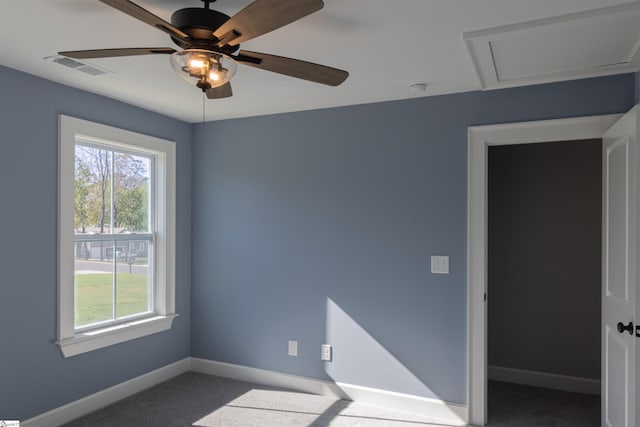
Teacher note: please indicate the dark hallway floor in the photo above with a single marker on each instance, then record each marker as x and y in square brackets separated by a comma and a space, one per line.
[516, 405]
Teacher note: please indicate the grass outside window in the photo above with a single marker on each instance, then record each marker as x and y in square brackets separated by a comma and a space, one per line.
[94, 296]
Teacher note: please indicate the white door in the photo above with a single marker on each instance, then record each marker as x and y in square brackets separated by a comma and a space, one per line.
[621, 216]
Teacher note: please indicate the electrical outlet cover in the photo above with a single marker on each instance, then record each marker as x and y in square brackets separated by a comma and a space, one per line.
[440, 264]
[293, 348]
[326, 352]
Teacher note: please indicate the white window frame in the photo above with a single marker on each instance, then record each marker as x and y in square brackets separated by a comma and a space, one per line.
[73, 341]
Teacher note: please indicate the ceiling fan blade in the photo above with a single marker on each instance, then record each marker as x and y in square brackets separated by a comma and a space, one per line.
[110, 53]
[147, 17]
[293, 67]
[263, 16]
[219, 92]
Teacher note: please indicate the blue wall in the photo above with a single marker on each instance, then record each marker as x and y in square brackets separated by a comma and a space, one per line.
[314, 226]
[318, 226]
[638, 87]
[34, 377]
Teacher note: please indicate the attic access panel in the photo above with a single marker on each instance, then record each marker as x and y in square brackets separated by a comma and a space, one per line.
[586, 44]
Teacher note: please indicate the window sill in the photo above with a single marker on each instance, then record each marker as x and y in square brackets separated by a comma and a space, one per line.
[95, 339]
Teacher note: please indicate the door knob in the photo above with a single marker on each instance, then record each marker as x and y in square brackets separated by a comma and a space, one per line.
[628, 328]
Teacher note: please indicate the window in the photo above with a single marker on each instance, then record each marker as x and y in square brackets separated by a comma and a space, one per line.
[116, 235]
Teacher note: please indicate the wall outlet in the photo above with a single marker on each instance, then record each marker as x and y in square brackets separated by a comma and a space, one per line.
[326, 352]
[439, 264]
[293, 348]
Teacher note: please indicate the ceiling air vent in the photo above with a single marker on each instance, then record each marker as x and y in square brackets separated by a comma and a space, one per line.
[77, 65]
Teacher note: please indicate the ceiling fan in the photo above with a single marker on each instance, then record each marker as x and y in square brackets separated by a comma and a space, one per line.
[210, 40]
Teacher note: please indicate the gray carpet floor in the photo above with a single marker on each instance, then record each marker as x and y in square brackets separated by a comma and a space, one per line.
[200, 400]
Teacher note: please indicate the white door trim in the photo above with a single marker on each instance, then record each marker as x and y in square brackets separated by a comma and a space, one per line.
[479, 139]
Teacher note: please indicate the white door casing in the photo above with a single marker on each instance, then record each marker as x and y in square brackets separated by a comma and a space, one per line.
[619, 270]
[480, 138]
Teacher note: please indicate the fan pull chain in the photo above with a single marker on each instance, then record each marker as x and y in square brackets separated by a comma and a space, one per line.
[203, 108]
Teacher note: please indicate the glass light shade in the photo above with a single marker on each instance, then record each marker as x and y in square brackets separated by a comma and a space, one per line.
[204, 68]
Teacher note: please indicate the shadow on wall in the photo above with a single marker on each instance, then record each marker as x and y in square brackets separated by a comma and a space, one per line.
[357, 354]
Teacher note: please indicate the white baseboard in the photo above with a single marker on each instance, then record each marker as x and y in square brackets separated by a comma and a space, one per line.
[106, 397]
[270, 378]
[453, 414]
[545, 380]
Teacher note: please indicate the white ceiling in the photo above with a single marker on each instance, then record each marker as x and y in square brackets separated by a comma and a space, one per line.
[384, 44]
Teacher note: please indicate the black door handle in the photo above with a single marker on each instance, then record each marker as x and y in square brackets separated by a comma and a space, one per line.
[628, 328]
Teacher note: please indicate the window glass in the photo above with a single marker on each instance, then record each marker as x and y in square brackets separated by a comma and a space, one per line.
[112, 203]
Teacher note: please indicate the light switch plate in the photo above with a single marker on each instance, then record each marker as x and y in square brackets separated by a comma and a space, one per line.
[440, 264]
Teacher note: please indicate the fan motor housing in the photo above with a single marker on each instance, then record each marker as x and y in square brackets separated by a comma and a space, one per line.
[200, 24]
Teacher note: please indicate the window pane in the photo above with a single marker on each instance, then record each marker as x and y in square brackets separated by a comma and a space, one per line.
[111, 191]
[96, 288]
[92, 196]
[94, 282]
[133, 288]
[131, 191]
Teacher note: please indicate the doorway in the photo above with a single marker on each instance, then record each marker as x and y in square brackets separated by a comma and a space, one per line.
[544, 282]
[480, 138]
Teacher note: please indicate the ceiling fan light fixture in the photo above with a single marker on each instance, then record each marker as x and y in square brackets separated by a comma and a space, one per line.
[204, 68]
[210, 38]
